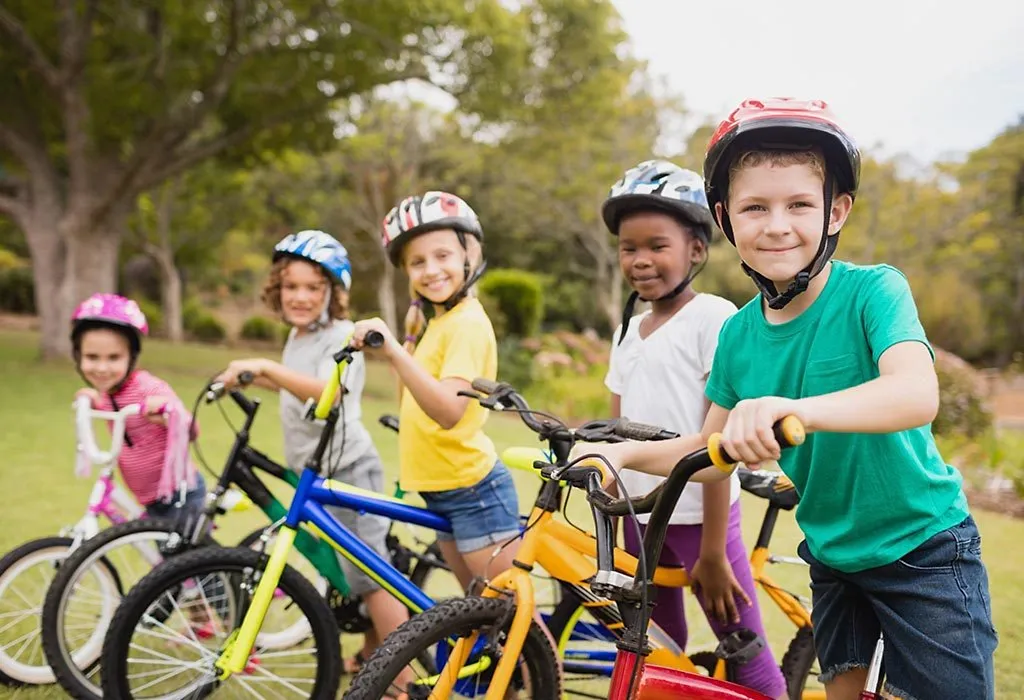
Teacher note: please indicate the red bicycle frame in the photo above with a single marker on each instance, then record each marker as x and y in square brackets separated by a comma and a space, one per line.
[659, 683]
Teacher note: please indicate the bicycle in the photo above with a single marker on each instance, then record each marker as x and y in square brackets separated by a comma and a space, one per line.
[32, 564]
[566, 557]
[69, 604]
[505, 608]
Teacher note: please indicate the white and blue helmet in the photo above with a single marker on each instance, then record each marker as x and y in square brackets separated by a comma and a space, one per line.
[663, 186]
[321, 248]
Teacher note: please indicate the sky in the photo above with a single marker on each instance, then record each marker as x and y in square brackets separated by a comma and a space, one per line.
[930, 79]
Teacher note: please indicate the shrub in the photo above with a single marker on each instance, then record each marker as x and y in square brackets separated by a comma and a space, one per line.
[154, 315]
[518, 294]
[962, 407]
[206, 328]
[260, 328]
[17, 290]
[515, 363]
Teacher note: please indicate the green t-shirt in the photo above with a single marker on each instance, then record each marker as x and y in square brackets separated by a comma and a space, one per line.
[865, 499]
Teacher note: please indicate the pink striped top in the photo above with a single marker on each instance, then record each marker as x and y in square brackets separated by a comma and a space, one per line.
[142, 464]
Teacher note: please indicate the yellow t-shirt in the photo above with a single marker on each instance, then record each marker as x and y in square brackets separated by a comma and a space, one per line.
[459, 343]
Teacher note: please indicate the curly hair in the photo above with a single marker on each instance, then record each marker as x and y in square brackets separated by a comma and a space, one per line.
[271, 296]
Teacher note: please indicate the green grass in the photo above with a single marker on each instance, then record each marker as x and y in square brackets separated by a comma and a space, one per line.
[39, 493]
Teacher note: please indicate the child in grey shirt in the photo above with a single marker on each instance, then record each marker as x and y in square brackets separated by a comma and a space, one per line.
[308, 286]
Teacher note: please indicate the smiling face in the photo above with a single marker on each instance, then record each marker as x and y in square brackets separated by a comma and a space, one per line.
[777, 212]
[656, 253]
[304, 290]
[104, 358]
[435, 263]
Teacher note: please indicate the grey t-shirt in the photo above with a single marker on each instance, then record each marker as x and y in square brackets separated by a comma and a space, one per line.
[311, 353]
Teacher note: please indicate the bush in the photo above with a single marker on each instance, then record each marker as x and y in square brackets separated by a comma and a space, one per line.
[17, 290]
[206, 328]
[515, 363]
[260, 328]
[569, 394]
[962, 409]
[519, 297]
[154, 315]
[191, 311]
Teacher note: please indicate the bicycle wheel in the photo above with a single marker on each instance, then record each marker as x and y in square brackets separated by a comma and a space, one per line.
[85, 593]
[429, 634]
[155, 647]
[798, 664]
[25, 574]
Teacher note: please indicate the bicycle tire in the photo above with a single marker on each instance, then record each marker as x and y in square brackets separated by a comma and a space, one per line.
[798, 661]
[13, 672]
[236, 561]
[419, 636]
[72, 676]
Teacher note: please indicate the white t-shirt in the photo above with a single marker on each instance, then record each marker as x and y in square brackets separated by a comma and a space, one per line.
[660, 379]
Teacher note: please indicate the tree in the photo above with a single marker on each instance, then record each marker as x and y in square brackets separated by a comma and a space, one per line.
[101, 101]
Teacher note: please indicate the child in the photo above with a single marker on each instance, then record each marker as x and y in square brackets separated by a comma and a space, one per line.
[659, 364]
[445, 455]
[889, 539]
[308, 286]
[106, 339]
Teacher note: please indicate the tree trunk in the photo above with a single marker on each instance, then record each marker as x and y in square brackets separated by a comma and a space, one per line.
[170, 295]
[48, 272]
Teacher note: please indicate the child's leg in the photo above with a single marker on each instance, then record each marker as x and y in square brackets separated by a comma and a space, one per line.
[669, 612]
[934, 609]
[385, 611]
[762, 672]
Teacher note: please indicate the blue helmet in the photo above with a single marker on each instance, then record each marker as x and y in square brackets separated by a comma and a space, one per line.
[321, 248]
[662, 186]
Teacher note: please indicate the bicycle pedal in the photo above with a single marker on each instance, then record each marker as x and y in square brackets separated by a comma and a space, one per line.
[740, 647]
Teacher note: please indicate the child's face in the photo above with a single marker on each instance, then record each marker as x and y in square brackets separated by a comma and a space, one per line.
[777, 213]
[435, 264]
[104, 358]
[304, 289]
[656, 253]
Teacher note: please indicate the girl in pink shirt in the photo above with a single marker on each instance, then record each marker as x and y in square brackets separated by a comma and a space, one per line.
[106, 339]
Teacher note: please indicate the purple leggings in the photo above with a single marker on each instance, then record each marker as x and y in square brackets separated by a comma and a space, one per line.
[682, 546]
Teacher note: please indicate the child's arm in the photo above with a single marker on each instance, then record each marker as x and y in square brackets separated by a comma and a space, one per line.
[904, 396]
[438, 398]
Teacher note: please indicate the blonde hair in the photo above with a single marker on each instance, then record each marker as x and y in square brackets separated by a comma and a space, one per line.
[338, 308]
[415, 320]
[814, 158]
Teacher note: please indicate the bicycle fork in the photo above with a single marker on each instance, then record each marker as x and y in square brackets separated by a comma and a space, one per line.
[236, 652]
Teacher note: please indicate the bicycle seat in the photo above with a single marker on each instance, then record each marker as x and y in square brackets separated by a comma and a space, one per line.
[771, 485]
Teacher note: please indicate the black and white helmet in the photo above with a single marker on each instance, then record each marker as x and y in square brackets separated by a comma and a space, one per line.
[664, 186]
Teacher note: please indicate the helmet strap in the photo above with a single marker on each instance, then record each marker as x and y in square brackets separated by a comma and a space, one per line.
[627, 312]
[469, 276]
[826, 249]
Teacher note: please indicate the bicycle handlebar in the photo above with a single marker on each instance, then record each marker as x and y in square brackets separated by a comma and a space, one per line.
[660, 503]
[216, 390]
[373, 339]
[85, 414]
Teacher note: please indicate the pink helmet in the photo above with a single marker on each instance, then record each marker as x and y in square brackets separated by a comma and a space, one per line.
[110, 310]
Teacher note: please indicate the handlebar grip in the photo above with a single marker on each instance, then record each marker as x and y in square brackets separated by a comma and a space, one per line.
[389, 421]
[642, 431]
[374, 339]
[246, 378]
[789, 432]
[484, 385]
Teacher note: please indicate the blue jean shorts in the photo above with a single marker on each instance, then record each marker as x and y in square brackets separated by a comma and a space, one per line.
[933, 608]
[484, 514]
[195, 500]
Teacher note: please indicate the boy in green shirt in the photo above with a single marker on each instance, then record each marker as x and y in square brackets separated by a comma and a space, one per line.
[889, 539]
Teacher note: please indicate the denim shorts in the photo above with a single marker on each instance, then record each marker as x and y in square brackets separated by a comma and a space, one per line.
[933, 608]
[483, 514]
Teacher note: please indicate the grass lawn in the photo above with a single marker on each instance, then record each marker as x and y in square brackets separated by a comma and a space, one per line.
[39, 493]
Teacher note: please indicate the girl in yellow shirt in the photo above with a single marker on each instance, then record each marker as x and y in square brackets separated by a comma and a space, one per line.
[444, 453]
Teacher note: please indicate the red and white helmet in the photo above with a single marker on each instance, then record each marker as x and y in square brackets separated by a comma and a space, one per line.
[432, 211]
